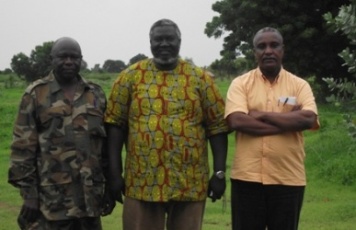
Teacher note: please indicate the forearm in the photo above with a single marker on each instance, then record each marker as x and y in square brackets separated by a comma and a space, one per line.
[23, 174]
[247, 124]
[218, 144]
[115, 143]
[290, 121]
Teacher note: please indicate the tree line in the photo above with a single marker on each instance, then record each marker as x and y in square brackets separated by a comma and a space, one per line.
[313, 43]
[38, 64]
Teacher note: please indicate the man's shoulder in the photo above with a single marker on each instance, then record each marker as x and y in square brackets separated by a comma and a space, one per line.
[248, 75]
[293, 77]
[37, 83]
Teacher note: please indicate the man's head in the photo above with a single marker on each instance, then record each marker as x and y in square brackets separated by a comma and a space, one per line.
[165, 39]
[66, 58]
[269, 50]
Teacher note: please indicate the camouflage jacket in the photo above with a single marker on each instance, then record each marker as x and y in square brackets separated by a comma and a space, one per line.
[57, 149]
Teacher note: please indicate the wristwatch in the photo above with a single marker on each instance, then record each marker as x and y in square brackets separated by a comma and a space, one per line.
[220, 175]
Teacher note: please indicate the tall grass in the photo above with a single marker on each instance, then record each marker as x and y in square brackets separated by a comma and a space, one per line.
[330, 199]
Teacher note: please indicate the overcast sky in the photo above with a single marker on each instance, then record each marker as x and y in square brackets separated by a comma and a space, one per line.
[105, 29]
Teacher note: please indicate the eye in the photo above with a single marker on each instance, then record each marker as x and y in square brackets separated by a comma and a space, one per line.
[261, 46]
[275, 45]
[71, 56]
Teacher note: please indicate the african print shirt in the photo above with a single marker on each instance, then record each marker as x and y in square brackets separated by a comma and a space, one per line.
[169, 116]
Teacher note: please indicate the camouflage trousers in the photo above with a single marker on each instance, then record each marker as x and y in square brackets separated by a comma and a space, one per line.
[85, 223]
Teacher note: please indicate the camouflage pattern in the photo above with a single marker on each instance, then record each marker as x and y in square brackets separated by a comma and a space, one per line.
[56, 154]
[85, 223]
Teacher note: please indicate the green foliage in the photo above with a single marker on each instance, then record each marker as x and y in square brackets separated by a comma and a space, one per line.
[137, 58]
[230, 67]
[329, 162]
[344, 90]
[114, 66]
[37, 65]
[33, 67]
[311, 48]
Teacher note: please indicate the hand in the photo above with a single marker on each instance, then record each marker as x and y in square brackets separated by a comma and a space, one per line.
[297, 107]
[216, 188]
[108, 203]
[117, 188]
[29, 211]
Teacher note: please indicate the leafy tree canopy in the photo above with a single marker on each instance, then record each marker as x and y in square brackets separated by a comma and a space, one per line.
[343, 90]
[311, 48]
[113, 66]
[35, 66]
[38, 64]
[137, 58]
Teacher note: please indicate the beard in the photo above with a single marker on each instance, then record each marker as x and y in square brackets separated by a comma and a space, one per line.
[165, 61]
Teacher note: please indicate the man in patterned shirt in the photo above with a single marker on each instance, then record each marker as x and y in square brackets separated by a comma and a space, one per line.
[165, 110]
[57, 151]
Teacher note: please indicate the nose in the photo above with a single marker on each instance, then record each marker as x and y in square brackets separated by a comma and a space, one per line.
[269, 49]
[68, 60]
[164, 42]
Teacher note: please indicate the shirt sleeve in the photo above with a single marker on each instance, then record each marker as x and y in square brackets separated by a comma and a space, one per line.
[307, 100]
[236, 100]
[24, 147]
[213, 108]
[118, 102]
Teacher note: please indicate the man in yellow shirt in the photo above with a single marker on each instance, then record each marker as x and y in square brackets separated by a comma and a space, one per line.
[269, 107]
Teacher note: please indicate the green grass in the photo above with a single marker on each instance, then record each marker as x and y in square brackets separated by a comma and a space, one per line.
[330, 199]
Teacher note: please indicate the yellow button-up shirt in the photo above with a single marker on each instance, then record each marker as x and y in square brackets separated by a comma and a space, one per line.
[273, 159]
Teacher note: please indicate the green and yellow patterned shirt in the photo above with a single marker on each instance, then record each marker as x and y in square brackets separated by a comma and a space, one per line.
[169, 116]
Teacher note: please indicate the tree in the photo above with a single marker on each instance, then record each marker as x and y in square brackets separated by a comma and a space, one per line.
[84, 65]
[97, 68]
[21, 65]
[35, 66]
[137, 58]
[38, 64]
[344, 90]
[114, 66]
[311, 48]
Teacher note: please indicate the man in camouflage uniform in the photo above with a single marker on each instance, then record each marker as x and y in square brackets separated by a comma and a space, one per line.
[57, 152]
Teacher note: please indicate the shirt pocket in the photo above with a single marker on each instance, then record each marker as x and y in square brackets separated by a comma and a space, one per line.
[52, 122]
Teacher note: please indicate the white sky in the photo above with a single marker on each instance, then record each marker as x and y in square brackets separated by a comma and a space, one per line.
[105, 29]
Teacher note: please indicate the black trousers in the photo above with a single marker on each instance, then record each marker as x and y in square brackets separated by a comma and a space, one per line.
[255, 206]
[84, 223]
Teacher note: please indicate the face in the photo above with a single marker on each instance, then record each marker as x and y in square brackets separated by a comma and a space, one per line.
[165, 45]
[66, 59]
[269, 51]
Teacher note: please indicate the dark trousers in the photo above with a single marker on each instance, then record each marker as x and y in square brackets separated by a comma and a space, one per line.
[172, 215]
[84, 223]
[255, 206]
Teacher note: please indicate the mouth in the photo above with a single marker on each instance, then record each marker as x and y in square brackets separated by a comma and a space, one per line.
[269, 60]
[68, 70]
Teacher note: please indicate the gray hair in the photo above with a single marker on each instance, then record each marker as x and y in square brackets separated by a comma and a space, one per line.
[165, 22]
[267, 29]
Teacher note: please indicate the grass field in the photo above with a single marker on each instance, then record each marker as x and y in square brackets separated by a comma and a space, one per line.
[330, 199]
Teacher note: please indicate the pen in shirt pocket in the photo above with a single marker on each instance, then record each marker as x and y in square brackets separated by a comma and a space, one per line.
[290, 100]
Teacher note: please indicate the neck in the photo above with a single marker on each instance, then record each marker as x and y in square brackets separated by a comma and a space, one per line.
[271, 74]
[67, 82]
[165, 64]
